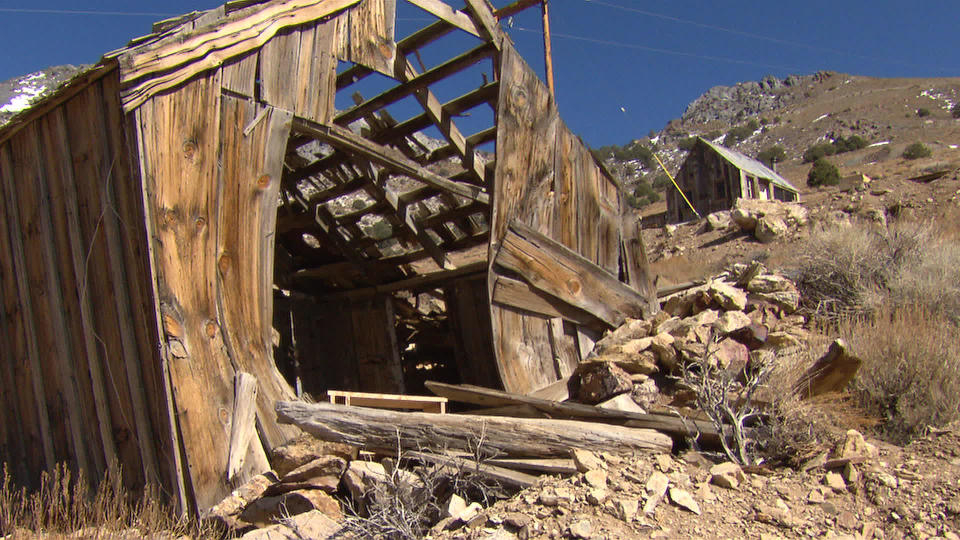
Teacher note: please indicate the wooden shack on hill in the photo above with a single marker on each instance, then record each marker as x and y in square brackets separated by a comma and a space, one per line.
[713, 177]
[195, 207]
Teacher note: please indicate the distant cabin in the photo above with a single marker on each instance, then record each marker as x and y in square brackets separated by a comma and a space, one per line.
[713, 177]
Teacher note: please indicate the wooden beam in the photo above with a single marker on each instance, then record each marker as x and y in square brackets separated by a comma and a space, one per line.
[488, 397]
[446, 13]
[425, 79]
[514, 8]
[558, 271]
[391, 158]
[381, 429]
[401, 211]
[490, 28]
[504, 475]
[445, 124]
[521, 295]
[417, 282]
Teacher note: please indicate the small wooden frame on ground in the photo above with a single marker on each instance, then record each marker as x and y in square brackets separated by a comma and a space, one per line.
[430, 404]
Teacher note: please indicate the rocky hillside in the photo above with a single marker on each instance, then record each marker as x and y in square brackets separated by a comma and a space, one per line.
[19, 93]
[801, 111]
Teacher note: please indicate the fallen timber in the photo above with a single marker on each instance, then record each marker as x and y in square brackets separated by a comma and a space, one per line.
[488, 397]
[374, 429]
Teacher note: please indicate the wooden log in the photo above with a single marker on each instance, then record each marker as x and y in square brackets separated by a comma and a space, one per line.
[540, 465]
[504, 475]
[381, 430]
[556, 270]
[243, 425]
[488, 397]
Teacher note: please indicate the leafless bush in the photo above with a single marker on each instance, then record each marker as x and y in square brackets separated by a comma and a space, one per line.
[728, 398]
[410, 499]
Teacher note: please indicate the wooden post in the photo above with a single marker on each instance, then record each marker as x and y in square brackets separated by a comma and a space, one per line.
[547, 48]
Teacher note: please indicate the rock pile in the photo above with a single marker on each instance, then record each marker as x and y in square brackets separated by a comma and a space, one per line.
[767, 221]
[744, 316]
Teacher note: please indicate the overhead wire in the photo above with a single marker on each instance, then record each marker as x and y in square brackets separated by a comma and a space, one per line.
[657, 49]
[751, 35]
[86, 12]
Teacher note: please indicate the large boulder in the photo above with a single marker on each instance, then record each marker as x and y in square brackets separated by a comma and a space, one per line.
[770, 229]
[768, 220]
[305, 449]
[600, 381]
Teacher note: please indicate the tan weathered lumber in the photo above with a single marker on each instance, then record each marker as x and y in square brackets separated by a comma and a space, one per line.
[242, 425]
[414, 283]
[831, 373]
[443, 11]
[423, 80]
[521, 295]
[556, 270]
[489, 27]
[387, 157]
[489, 397]
[430, 404]
[380, 429]
[504, 475]
[514, 8]
[547, 46]
[540, 465]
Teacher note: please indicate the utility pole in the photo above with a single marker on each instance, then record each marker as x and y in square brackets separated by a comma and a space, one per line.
[547, 49]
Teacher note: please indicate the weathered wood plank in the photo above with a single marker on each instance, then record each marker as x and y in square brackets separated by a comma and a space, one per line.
[443, 11]
[375, 346]
[470, 321]
[207, 49]
[488, 397]
[372, 42]
[180, 157]
[116, 172]
[279, 67]
[240, 74]
[91, 169]
[41, 291]
[487, 22]
[521, 295]
[242, 423]
[382, 429]
[504, 475]
[33, 419]
[83, 350]
[565, 352]
[251, 166]
[558, 271]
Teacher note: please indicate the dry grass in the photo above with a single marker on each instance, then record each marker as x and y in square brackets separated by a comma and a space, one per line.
[894, 295]
[910, 377]
[66, 506]
[853, 271]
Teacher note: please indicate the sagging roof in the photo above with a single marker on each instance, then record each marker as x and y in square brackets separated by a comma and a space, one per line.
[750, 165]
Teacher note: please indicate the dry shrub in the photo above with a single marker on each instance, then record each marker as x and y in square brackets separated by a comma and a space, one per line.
[910, 376]
[853, 270]
[65, 504]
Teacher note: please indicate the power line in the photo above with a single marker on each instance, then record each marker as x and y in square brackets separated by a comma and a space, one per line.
[659, 50]
[751, 35]
[85, 12]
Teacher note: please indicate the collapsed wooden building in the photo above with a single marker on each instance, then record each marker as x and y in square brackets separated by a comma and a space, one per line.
[196, 207]
[713, 177]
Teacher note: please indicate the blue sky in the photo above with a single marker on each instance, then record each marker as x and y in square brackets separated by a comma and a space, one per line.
[622, 67]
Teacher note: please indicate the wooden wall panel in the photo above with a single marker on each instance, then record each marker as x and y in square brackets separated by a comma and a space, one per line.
[93, 170]
[372, 41]
[546, 179]
[375, 346]
[180, 154]
[251, 169]
[470, 322]
[29, 413]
